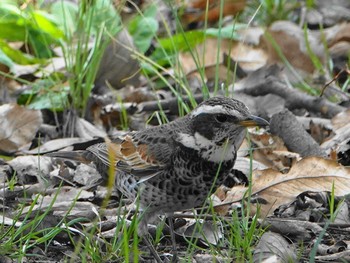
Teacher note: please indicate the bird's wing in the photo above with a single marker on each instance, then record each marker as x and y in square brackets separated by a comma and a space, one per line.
[130, 157]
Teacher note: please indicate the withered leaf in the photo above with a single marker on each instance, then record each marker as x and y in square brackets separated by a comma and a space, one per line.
[18, 126]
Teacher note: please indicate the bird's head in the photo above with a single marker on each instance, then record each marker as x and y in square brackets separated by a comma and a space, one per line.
[217, 123]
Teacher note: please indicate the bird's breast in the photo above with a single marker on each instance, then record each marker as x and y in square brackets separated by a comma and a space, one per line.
[184, 184]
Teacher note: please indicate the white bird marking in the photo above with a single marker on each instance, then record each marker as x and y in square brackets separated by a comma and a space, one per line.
[214, 110]
[188, 140]
[208, 149]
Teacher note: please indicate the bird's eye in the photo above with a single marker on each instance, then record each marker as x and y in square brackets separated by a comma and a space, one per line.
[221, 118]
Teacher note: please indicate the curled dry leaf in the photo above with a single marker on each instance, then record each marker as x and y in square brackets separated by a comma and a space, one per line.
[56, 145]
[274, 244]
[272, 152]
[202, 10]
[337, 34]
[273, 188]
[18, 126]
[340, 140]
[206, 231]
[298, 229]
[249, 57]
[86, 130]
[65, 199]
[31, 169]
[291, 41]
[341, 119]
[243, 165]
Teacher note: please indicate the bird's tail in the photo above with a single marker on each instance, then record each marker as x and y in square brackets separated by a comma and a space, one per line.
[79, 156]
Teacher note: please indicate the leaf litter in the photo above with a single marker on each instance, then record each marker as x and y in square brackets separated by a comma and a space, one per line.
[294, 193]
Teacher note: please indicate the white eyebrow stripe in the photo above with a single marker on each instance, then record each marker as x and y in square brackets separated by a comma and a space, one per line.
[214, 110]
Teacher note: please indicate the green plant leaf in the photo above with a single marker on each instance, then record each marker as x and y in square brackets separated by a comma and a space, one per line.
[229, 32]
[46, 94]
[144, 34]
[17, 56]
[143, 28]
[45, 23]
[54, 101]
[4, 59]
[65, 13]
[12, 23]
[34, 27]
[105, 16]
[182, 41]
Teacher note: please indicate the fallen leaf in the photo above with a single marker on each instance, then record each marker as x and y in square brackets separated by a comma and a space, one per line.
[249, 57]
[32, 169]
[273, 188]
[203, 10]
[18, 126]
[55, 145]
[290, 39]
[272, 152]
[274, 244]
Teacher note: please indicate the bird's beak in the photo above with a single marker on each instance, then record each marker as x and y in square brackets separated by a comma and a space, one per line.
[253, 121]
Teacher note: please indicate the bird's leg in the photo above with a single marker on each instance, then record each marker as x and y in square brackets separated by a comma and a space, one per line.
[142, 232]
[152, 249]
[172, 236]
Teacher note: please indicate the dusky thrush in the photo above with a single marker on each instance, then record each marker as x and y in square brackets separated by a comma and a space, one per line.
[175, 166]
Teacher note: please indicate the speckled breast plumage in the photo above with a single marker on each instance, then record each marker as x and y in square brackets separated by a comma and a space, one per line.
[184, 184]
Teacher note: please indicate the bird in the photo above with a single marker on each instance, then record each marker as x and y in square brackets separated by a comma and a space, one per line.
[176, 166]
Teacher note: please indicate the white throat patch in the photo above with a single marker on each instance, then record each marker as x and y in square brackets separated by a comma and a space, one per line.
[209, 150]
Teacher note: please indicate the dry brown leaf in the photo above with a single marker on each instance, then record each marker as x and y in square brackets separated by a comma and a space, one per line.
[87, 130]
[18, 126]
[272, 152]
[341, 119]
[338, 33]
[249, 57]
[291, 41]
[62, 201]
[245, 164]
[56, 145]
[274, 244]
[198, 10]
[341, 129]
[310, 174]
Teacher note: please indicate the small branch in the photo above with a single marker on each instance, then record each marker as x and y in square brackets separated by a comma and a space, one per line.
[295, 99]
[286, 126]
[334, 79]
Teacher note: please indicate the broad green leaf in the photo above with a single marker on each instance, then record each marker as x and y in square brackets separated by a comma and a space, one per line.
[34, 27]
[12, 23]
[45, 23]
[143, 28]
[144, 34]
[188, 40]
[66, 14]
[17, 56]
[229, 32]
[135, 23]
[4, 59]
[9, 11]
[12, 31]
[105, 16]
[53, 101]
[45, 94]
[40, 42]
[182, 41]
